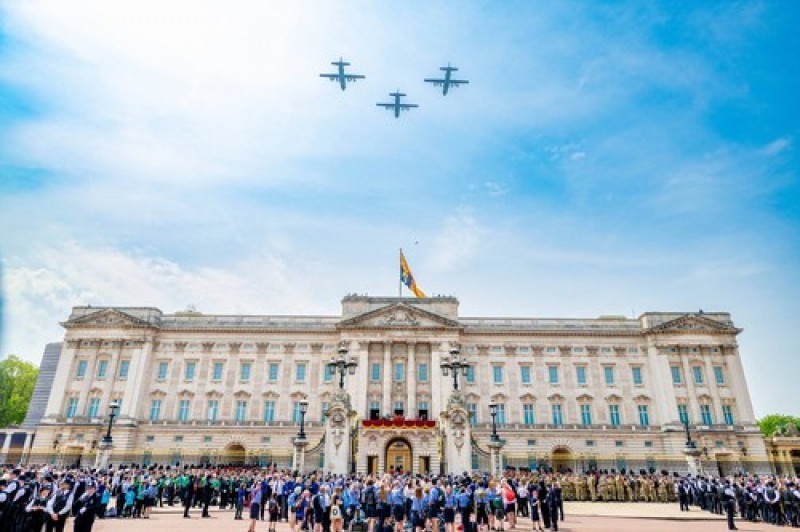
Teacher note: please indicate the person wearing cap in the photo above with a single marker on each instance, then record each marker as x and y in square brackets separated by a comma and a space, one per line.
[85, 508]
[59, 507]
[36, 509]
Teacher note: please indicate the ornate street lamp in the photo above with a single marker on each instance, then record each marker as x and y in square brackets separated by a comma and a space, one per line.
[493, 412]
[690, 444]
[113, 407]
[455, 365]
[303, 405]
[342, 365]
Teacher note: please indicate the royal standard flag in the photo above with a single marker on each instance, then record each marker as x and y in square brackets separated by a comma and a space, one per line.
[407, 279]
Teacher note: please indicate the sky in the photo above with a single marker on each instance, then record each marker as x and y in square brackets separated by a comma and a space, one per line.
[605, 158]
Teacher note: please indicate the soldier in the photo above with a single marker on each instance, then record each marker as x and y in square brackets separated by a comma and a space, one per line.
[603, 488]
[611, 487]
[85, 509]
[730, 504]
[592, 484]
[662, 491]
[580, 488]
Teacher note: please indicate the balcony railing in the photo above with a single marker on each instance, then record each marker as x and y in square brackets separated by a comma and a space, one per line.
[399, 423]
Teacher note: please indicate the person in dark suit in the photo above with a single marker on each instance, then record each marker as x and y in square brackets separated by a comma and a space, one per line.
[58, 508]
[188, 495]
[85, 508]
[554, 502]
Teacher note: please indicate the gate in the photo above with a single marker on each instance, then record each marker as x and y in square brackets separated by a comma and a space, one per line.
[481, 458]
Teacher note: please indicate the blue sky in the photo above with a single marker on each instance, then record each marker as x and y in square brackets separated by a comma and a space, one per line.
[606, 158]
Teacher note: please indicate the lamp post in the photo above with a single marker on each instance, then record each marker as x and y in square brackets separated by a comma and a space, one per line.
[104, 454]
[692, 453]
[493, 412]
[495, 443]
[342, 365]
[113, 407]
[303, 406]
[689, 442]
[455, 365]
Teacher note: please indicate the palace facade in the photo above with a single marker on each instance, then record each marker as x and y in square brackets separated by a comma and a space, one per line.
[609, 392]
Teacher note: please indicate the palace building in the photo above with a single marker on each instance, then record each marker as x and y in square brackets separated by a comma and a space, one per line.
[609, 392]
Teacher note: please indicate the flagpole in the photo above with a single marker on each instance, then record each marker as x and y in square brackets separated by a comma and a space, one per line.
[400, 280]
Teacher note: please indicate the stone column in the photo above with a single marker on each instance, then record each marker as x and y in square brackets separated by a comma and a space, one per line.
[133, 401]
[64, 375]
[386, 409]
[458, 435]
[438, 390]
[299, 455]
[361, 378]
[744, 413]
[6, 448]
[495, 447]
[337, 434]
[103, 456]
[688, 381]
[26, 447]
[411, 402]
[693, 460]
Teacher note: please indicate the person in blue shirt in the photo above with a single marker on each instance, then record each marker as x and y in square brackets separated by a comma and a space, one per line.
[464, 505]
[419, 506]
[397, 502]
[241, 495]
[449, 510]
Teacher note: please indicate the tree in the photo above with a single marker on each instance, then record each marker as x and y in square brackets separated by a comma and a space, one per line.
[17, 379]
[777, 424]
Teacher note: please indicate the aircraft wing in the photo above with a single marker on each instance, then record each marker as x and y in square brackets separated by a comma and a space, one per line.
[406, 106]
[353, 77]
[436, 82]
[386, 105]
[457, 82]
[331, 76]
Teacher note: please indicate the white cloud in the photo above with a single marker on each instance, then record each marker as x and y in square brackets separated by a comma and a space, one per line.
[777, 146]
[458, 240]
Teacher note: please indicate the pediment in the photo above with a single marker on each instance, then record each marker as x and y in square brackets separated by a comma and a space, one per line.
[399, 316]
[109, 317]
[694, 323]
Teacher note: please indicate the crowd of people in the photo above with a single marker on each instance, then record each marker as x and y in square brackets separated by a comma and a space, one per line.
[32, 500]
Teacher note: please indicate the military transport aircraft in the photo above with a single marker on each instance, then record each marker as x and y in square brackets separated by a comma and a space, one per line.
[340, 76]
[447, 81]
[396, 105]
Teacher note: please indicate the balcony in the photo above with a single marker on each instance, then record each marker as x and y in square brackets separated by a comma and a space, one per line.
[398, 422]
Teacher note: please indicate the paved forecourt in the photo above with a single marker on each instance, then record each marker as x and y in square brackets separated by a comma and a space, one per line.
[590, 517]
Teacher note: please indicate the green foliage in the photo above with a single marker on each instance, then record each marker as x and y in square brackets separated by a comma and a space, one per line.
[778, 424]
[17, 379]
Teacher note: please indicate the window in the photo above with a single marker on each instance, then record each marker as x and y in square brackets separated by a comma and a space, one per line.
[81, 369]
[613, 414]
[269, 411]
[150, 439]
[422, 410]
[183, 410]
[244, 371]
[525, 374]
[399, 372]
[241, 410]
[398, 408]
[683, 413]
[528, 415]
[375, 372]
[102, 369]
[636, 372]
[213, 409]
[619, 443]
[501, 415]
[705, 415]
[325, 406]
[374, 410]
[217, 374]
[586, 414]
[155, 410]
[471, 374]
[677, 378]
[300, 374]
[296, 412]
[697, 371]
[497, 374]
[94, 407]
[472, 408]
[327, 375]
[558, 416]
[162, 370]
[72, 407]
[727, 414]
[552, 372]
[608, 375]
[531, 443]
[189, 373]
[580, 374]
[273, 372]
[124, 366]
[208, 439]
[589, 443]
[648, 443]
[178, 439]
[422, 373]
[644, 416]
[718, 375]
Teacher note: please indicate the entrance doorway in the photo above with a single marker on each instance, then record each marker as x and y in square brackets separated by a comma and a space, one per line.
[424, 465]
[562, 460]
[234, 454]
[398, 455]
[372, 465]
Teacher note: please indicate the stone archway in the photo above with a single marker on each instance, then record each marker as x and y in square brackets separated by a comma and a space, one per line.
[562, 459]
[234, 454]
[399, 455]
